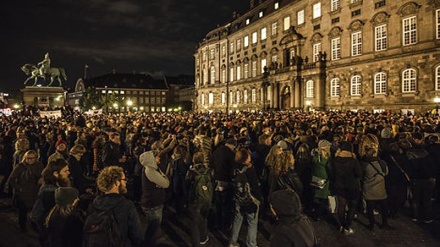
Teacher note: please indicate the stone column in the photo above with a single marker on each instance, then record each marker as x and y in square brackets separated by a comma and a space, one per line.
[297, 94]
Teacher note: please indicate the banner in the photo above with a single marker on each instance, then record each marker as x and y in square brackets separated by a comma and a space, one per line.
[94, 112]
[50, 114]
[6, 111]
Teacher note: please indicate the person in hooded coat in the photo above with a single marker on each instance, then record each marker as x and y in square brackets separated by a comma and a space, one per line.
[292, 228]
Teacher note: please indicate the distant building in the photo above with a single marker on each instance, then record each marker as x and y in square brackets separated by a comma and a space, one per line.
[181, 91]
[335, 54]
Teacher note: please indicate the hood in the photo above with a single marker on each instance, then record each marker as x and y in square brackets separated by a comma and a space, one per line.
[345, 154]
[148, 159]
[416, 153]
[107, 201]
[285, 203]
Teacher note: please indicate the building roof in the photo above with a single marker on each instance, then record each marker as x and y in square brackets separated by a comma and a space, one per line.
[127, 80]
[184, 80]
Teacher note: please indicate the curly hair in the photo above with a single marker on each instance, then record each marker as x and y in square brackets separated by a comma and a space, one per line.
[272, 156]
[283, 163]
[108, 177]
[369, 146]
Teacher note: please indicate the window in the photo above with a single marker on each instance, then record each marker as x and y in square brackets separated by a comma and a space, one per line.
[316, 50]
[223, 98]
[248, 21]
[202, 99]
[335, 5]
[317, 10]
[409, 31]
[212, 75]
[238, 97]
[437, 15]
[246, 71]
[335, 88]
[309, 89]
[231, 73]
[409, 81]
[210, 98]
[274, 58]
[231, 97]
[254, 68]
[437, 78]
[380, 33]
[276, 5]
[254, 95]
[212, 54]
[336, 48]
[263, 64]
[223, 50]
[223, 75]
[204, 56]
[205, 76]
[380, 83]
[245, 96]
[231, 47]
[254, 37]
[300, 17]
[274, 28]
[238, 44]
[356, 43]
[263, 33]
[260, 14]
[356, 85]
[246, 41]
[238, 72]
[286, 23]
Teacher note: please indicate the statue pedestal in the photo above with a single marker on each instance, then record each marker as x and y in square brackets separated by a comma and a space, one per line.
[44, 96]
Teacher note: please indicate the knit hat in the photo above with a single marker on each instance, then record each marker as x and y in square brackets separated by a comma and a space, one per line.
[285, 202]
[346, 146]
[385, 133]
[324, 144]
[65, 195]
[59, 142]
[283, 145]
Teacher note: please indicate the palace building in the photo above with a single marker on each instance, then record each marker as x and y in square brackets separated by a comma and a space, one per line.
[323, 54]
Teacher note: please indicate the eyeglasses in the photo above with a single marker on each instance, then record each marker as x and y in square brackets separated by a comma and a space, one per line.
[31, 158]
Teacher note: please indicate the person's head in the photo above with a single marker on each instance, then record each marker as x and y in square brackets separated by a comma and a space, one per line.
[369, 146]
[112, 180]
[231, 143]
[324, 148]
[78, 150]
[61, 145]
[30, 157]
[115, 137]
[346, 146]
[264, 139]
[22, 144]
[198, 158]
[57, 172]
[285, 203]
[66, 200]
[284, 162]
[243, 156]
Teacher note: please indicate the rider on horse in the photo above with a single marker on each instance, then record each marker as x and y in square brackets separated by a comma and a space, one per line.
[44, 66]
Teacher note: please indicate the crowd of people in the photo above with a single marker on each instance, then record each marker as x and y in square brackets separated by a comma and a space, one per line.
[90, 179]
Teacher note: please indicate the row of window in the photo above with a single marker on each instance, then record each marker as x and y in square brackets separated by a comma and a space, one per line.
[234, 97]
[132, 92]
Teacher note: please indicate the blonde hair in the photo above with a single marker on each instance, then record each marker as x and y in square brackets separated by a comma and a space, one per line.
[272, 156]
[369, 146]
[29, 152]
[284, 162]
[108, 177]
[77, 149]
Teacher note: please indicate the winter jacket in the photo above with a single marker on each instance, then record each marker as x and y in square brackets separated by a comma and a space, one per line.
[111, 154]
[224, 159]
[24, 180]
[373, 179]
[421, 164]
[44, 203]
[66, 231]
[77, 174]
[252, 178]
[125, 214]
[320, 169]
[154, 182]
[345, 174]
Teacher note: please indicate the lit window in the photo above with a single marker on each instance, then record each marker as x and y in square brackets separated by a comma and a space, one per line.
[356, 85]
[335, 5]
[238, 44]
[212, 75]
[300, 17]
[238, 72]
[263, 33]
[380, 83]
[245, 96]
[309, 89]
[336, 48]
[276, 5]
[317, 10]
[274, 58]
[231, 97]
[248, 21]
[103, 91]
[246, 71]
[231, 47]
[380, 33]
[356, 43]
[204, 56]
[254, 37]
[335, 88]
[211, 54]
[238, 97]
[437, 78]
[254, 68]
[254, 95]
[263, 64]
[316, 50]
[203, 99]
[409, 30]
[246, 41]
[205, 76]
[122, 92]
[211, 98]
[231, 73]
[260, 14]
[223, 50]
[286, 23]
[409, 81]
[223, 75]
[274, 28]
[223, 98]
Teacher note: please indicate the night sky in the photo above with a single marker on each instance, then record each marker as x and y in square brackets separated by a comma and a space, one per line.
[155, 36]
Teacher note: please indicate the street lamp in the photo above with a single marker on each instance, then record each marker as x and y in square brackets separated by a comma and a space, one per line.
[436, 101]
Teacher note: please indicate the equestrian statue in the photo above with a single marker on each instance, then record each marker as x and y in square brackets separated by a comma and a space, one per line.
[43, 69]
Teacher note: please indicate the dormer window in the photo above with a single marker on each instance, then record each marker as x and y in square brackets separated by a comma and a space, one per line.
[276, 5]
[260, 14]
[248, 21]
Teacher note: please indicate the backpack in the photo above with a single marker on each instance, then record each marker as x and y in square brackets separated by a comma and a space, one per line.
[202, 188]
[242, 188]
[101, 229]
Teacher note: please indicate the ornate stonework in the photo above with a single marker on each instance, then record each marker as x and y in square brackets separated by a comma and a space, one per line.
[380, 17]
[409, 9]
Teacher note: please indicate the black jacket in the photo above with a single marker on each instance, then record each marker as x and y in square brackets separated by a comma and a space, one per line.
[66, 231]
[252, 178]
[421, 166]
[111, 154]
[345, 173]
[224, 159]
[126, 216]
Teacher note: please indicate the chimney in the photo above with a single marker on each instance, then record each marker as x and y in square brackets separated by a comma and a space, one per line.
[252, 3]
[234, 15]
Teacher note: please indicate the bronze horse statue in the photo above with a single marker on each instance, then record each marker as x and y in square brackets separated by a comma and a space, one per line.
[34, 73]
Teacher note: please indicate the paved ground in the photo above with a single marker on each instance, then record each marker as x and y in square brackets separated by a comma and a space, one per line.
[407, 233]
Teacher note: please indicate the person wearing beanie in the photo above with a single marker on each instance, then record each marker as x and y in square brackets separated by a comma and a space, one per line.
[345, 174]
[293, 228]
[64, 222]
[60, 151]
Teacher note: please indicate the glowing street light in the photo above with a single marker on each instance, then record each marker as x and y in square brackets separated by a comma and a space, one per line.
[16, 106]
[436, 101]
[115, 105]
[93, 107]
[129, 102]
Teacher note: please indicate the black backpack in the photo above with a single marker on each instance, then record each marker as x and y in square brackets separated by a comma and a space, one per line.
[101, 229]
[242, 188]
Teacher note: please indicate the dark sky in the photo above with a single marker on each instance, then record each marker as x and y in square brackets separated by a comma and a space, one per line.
[156, 36]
